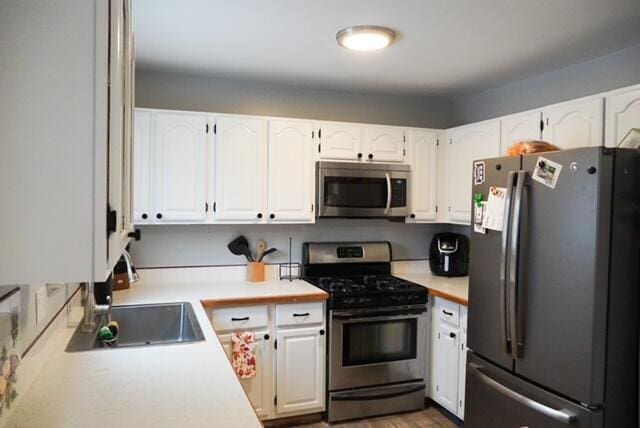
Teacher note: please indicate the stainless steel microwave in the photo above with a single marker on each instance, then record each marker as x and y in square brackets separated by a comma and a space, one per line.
[362, 190]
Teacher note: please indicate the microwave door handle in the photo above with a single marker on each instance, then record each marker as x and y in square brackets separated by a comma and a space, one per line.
[386, 210]
[505, 335]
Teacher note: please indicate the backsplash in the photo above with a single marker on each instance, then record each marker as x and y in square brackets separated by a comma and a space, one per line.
[206, 245]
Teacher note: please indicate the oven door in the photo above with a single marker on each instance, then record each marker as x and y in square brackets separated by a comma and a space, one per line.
[345, 192]
[370, 347]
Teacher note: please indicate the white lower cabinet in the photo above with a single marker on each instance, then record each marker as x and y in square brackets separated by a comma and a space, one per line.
[290, 356]
[300, 370]
[448, 355]
[260, 388]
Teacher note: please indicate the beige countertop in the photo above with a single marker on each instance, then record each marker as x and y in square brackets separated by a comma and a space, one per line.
[455, 289]
[157, 386]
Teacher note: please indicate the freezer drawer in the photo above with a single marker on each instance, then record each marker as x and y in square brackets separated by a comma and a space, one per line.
[497, 399]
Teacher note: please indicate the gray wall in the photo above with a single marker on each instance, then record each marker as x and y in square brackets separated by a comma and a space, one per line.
[206, 245]
[612, 71]
[214, 94]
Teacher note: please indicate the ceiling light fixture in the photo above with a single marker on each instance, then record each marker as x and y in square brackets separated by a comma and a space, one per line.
[365, 37]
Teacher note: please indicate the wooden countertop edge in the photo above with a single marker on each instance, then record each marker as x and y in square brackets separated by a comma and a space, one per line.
[258, 300]
[451, 297]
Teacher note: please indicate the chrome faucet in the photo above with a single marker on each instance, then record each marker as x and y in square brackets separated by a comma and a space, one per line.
[131, 270]
[92, 310]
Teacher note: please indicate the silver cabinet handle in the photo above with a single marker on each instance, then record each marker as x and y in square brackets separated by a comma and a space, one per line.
[514, 250]
[504, 329]
[386, 210]
[562, 416]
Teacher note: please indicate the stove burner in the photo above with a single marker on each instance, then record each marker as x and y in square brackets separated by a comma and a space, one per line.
[363, 284]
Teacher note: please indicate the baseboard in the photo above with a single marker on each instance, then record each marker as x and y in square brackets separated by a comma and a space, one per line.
[446, 413]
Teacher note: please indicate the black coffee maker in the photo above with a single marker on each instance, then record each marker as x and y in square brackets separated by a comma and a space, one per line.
[449, 254]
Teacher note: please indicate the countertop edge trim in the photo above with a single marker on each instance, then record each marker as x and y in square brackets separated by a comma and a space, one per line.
[447, 296]
[241, 301]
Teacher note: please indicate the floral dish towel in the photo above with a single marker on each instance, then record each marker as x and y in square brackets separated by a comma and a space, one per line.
[243, 358]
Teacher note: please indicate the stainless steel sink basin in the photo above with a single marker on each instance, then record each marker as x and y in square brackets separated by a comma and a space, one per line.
[144, 325]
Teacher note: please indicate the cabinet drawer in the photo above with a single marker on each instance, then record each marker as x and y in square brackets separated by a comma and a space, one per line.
[447, 311]
[239, 318]
[300, 314]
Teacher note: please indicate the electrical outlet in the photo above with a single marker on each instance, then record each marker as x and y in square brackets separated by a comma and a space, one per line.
[41, 305]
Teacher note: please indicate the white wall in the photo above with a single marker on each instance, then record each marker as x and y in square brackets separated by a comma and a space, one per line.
[612, 71]
[206, 245]
[194, 92]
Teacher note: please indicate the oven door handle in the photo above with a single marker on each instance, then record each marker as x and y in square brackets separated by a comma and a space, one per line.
[388, 207]
[358, 316]
[350, 396]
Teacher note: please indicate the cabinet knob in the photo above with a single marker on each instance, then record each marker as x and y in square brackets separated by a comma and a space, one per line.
[259, 215]
[272, 216]
[158, 216]
[412, 216]
[266, 337]
[452, 335]
[321, 332]
[370, 156]
[359, 155]
[144, 216]
[135, 235]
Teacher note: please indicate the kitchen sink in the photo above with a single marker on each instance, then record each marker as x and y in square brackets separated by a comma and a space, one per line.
[143, 325]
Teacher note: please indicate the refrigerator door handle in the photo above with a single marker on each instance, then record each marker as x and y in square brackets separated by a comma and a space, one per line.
[514, 250]
[505, 336]
[562, 416]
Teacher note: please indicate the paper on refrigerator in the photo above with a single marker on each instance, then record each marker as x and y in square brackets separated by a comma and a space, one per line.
[493, 217]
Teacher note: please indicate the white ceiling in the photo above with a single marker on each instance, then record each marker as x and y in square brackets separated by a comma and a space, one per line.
[444, 48]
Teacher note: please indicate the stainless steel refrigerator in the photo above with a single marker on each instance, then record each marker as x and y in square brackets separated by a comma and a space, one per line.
[553, 297]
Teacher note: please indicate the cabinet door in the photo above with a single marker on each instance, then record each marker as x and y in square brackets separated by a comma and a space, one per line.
[444, 367]
[340, 140]
[142, 167]
[518, 127]
[467, 144]
[260, 388]
[623, 114]
[290, 172]
[462, 365]
[423, 156]
[240, 169]
[575, 124]
[384, 144]
[300, 370]
[179, 150]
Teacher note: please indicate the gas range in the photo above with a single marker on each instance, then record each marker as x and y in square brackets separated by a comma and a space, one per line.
[358, 275]
[373, 290]
[376, 333]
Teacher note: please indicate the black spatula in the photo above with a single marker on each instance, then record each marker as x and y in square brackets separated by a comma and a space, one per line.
[240, 247]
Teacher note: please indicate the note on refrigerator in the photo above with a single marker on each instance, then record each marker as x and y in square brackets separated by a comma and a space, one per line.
[493, 218]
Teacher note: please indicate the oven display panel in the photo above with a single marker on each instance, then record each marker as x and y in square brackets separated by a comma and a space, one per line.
[350, 252]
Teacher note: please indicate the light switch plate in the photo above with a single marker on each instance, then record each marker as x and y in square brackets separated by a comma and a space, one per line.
[41, 305]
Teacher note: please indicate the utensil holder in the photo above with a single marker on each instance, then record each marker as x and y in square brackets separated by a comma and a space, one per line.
[255, 272]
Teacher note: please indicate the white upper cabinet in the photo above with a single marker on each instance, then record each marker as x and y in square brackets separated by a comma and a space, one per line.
[383, 144]
[240, 169]
[574, 124]
[291, 173]
[623, 114]
[300, 370]
[340, 140]
[179, 151]
[142, 167]
[422, 153]
[518, 127]
[465, 145]
[65, 134]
